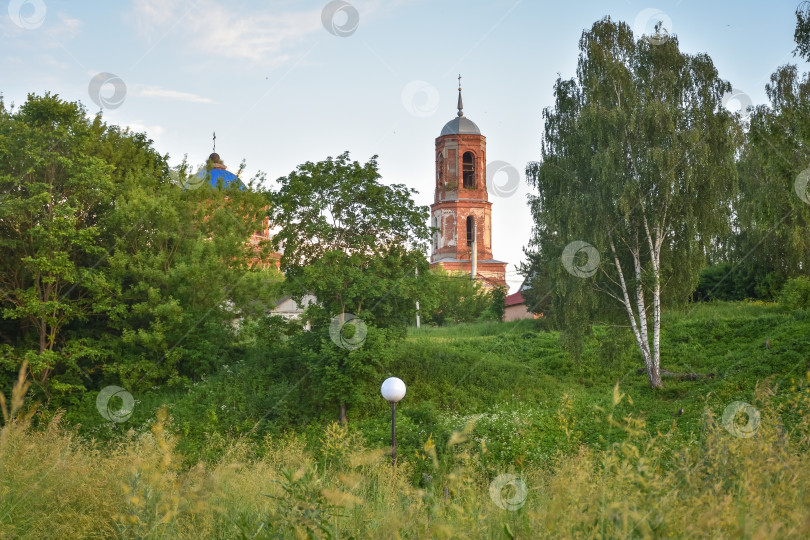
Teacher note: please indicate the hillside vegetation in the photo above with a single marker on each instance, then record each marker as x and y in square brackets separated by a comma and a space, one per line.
[596, 458]
[455, 373]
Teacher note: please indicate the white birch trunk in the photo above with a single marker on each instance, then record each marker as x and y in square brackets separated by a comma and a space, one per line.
[639, 327]
[628, 306]
[654, 371]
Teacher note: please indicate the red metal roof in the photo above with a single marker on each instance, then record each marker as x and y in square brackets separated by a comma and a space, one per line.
[514, 299]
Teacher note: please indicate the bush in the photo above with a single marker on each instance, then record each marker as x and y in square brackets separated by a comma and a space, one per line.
[796, 293]
[460, 300]
[733, 282]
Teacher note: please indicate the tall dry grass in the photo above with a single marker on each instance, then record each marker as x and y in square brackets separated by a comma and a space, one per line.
[54, 486]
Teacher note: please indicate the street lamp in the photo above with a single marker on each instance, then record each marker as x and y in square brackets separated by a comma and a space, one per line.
[393, 390]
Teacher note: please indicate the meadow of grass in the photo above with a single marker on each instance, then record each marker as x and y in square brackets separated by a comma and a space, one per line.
[501, 435]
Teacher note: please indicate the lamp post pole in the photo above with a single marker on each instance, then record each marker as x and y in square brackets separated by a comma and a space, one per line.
[393, 434]
[393, 390]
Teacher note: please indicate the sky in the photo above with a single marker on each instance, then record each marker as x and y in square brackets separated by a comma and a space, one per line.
[286, 82]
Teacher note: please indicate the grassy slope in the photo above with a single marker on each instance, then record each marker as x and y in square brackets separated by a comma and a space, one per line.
[516, 375]
[514, 378]
[471, 369]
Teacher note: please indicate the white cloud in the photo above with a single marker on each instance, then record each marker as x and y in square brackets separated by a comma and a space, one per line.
[61, 28]
[66, 28]
[50, 61]
[226, 31]
[164, 93]
[152, 15]
[153, 132]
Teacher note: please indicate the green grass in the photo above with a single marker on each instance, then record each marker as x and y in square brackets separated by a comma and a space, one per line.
[643, 486]
[245, 454]
[498, 369]
[472, 369]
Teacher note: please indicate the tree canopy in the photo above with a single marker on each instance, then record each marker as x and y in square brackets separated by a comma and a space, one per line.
[339, 204]
[802, 33]
[636, 179]
[357, 245]
[111, 269]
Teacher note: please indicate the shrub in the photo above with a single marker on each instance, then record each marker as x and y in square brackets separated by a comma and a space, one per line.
[732, 282]
[796, 293]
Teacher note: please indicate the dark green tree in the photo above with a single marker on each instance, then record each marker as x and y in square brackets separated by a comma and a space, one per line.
[357, 245]
[187, 276]
[339, 204]
[110, 268]
[636, 179]
[498, 298]
[461, 299]
[773, 209]
[54, 194]
[802, 33]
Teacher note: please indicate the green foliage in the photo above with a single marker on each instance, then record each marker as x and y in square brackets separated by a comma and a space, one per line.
[771, 217]
[732, 282]
[381, 289]
[802, 33]
[538, 296]
[796, 293]
[340, 205]
[112, 272]
[772, 213]
[647, 482]
[515, 372]
[303, 506]
[353, 243]
[339, 376]
[458, 299]
[638, 161]
[54, 192]
[498, 297]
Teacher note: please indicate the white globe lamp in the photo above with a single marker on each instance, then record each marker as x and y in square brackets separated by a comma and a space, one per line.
[393, 389]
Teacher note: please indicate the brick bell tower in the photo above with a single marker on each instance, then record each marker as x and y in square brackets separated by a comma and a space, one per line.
[461, 211]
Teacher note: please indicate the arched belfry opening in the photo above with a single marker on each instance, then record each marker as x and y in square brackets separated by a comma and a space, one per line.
[440, 170]
[468, 170]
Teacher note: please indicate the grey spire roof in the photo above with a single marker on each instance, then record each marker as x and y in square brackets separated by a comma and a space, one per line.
[461, 124]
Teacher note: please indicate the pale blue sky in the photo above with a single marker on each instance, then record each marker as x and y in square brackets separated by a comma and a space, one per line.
[279, 89]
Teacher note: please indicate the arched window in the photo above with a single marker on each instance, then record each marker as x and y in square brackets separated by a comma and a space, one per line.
[468, 170]
[440, 169]
[470, 230]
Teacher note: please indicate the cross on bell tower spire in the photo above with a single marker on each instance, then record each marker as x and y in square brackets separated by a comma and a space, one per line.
[460, 105]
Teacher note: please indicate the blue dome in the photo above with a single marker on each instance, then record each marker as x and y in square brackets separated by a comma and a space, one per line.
[226, 176]
[220, 174]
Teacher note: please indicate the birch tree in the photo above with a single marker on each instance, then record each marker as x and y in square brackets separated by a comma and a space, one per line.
[636, 178]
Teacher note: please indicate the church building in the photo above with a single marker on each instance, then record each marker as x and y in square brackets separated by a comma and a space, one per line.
[214, 173]
[461, 211]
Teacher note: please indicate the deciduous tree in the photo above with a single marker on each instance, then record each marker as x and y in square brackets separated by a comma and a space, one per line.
[357, 245]
[110, 268]
[636, 178]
